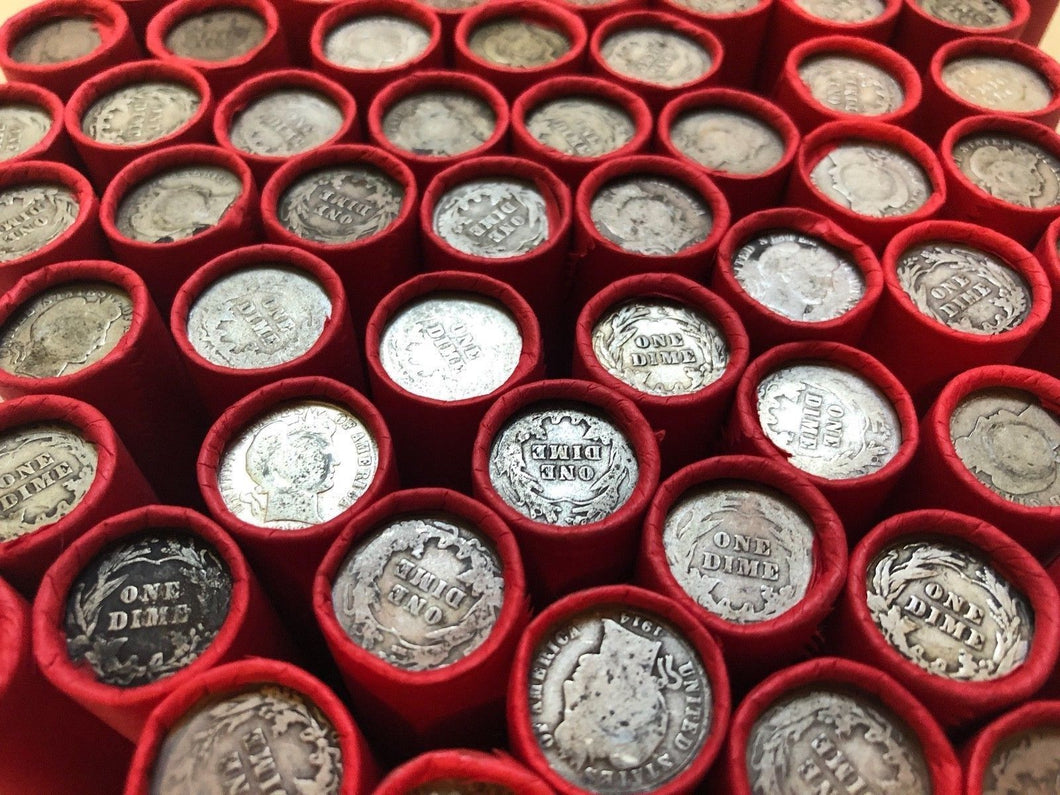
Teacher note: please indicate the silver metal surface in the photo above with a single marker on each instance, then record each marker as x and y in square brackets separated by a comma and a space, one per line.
[656, 55]
[460, 786]
[140, 113]
[450, 5]
[286, 122]
[32, 216]
[997, 83]
[376, 41]
[57, 41]
[849, 84]
[872, 180]
[1011, 169]
[22, 126]
[1024, 763]
[844, 12]
[723, 139]
[518, 43]
[653, 215]
[439, 123]
[495, 218]
[177, 204]
[216, 34]
[342, 204]
[580, 126]
[976, 14]
[718, 7]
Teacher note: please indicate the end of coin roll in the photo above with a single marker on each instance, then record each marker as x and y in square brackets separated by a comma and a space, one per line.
[741, 27]
[1041, 353]
[457, 767]
[920, 34]
[1015, 750]
[31, 121]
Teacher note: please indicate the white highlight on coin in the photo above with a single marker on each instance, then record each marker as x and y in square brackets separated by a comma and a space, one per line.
[377, 41]
[656, 55]
[495, 218]
[342, 204]
[996, 83]
[518, 43]
[439, 123]
[286, 122]
[728, 140]
[849, 84]
[140, 113]
[872, 180]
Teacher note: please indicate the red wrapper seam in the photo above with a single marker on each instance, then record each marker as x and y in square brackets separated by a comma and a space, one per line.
[493, 768]
[55, 145]
[977, 754]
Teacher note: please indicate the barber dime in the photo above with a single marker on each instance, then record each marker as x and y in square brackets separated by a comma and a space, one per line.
[851, 85]
[872, 180]
[439, 123]
[341, 204]
[494, 217]
[216, 35]
[57, 41]
[997, 84]
[178, 204]
[656, 55]
[1025, 763]
[580, 126]
[845, 12]
[518, 43]
[377, 41]
[140, 113]
[1011, 169]
[978, 14]
[285, 122]
[653, 215]
[32, 216]
[22, 126]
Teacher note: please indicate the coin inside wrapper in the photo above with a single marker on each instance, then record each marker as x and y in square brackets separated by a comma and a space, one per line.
[1011, 169]
[217, 34]
[656, 55]
[620, 701]
[342, 204]
[651, 214]
[22, 126]
[820, 736]
[1024, 762]
[495, 218]
[451, 346]
[728, 140]
[33, 215]
[450, 5]
[146, 607]
[580, 126]
[377, 41]
[872, 180]
[518, 43]
[977, 14]
[256, 317]
[177, 204]
[844, 12]
[849, 84]
[58, 41]
[140, 113]
[995, 83]
[285, 122]
[439, 123]
[460, 786]
[718, 7]
[421, 592]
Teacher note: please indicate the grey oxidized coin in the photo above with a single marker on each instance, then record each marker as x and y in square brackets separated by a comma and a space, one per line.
[58, 41]
[619, 700]
[32, 216]
[216, 35]
[460, 786]
[1011, 444]
[266, 738]
[563, 464]
[965, 288]
[147, 606]
[723, 139]
[140, 113]
[495, 218]
[656, 55]
[177, 204]
[341, 205]
[518, 43]
[377, 41]
[451, 5]
[64, 329]
[653, 215]
[821, 739]
[580, 126]
[299, 464]
[660, 347]
[849, 84]
[845, 12]
[977, 14]
[1011, 169]
[258, 317]
[997, 83]
[22, 126]
[1025, 763]
[872, 180]
[948, 610]
[439, 123]
[285, 122]
[718, 7]
[831, 422]
[451, 346]
[45, 471]
[420, 592]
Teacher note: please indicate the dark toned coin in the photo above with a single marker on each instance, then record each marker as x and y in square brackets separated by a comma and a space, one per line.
[216, 35]
[58, 41]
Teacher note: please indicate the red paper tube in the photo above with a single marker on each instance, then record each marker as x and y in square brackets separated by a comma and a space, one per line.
[437, 768]
[919, 35]
[560, 559]
[853, 683]
[1016, 747]
[441, 457]
[742, 31]
[250, 626]
[1041, 13]
[358, 769]
[729, 164]
[888, 583]
[1041, 353]
[116, 44]
[686, 423]
[612, 617]
[24, 138]
[52, 744]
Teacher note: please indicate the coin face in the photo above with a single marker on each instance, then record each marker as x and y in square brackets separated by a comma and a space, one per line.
[64, 329]
[439, 123]
[1024, 762]
[660, 347]
[341, 205]
[266, 738]
[460, 786]
[851, 85]
[146, 607]
[140, 113]
[1011, 444]
[493, 218]
[286, 122]
[876, 181]
[727, 140]
[46, 469]
[216, 35]
[815, 736]
[451, 346]
[997, 84]
[450, 5]
[619, 700]
[32, 216]
[1011, 169]
[844, 12]
[57, 41]
[178, 204]
[22, 126]
[377, 41]
[580, 126]
[518, 43]
[421, 592]
[976, 14]
[718, 7]
[656, 55]
[653, 215]
[258, 317]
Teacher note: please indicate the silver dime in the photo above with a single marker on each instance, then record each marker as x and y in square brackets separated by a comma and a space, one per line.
[652, 215]
[849, 84]
[1011, 444]
[299, 464]
[965, 288]
[656, 55]
[563, 464]
[22, 127]
[46, 469]
[829, 739]
[1024, 763]
[216, 35]
[580, 126]
[830, 422]
[997, 83]
[718, 7]
[58, 41]
[177, 204]
[146, 607]
[660, 347]
[32, 216]
[267, 738]
[64, 329]
[439, 123]
[945, 608]
[494, 218]
[978, 14]
[518, 43]
[459, 786]
[451, 5]
[378, 41]
[258, 317]
[872, 180]
[844, 12]
[723, 139]
[342, 204]
[421, 592]
[1011, 169]
[285, 122]
[140, 113]
[619, 700]
[451, 346]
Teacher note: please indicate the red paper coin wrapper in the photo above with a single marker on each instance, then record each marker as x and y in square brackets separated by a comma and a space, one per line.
[440, 457]
[687, 425]
[140, 385]
[434, 767]
[742, 32]
[50, 744]
[55, 145]
[999, 735]
[521, 729]
[558, 559]
[919, 35]
[251, 626]
[462, 702]
[359, 771]
[955, 702]
[1041, 353]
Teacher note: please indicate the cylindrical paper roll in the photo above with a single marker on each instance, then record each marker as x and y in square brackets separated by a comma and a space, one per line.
[919, 35]
[436, 768]
[24, 133]
[742, 28]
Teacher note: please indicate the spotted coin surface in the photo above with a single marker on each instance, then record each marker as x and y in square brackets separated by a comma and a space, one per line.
[1025, 763]
[851, 85]
[997, 84]
[844, 12]
[1011, 169]
[872, 180]
[493, 218]
[976, 14]
[140, 113]
[32, 216]
[718, 7]
[58, 41]
[649, 214]
[178, 204]
[439, 123]
[22, 127]
[656, 55]
[723, 139]
[216, 35]
[341, 205]
[580, 126]
[377, 41]
[286, 122]
[518, 43]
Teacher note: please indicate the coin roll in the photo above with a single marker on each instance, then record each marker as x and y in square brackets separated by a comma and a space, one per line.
[31, 124]
[456, 767]
[920, 33]
[740, 25]
[1040, 353]
[1018, 746]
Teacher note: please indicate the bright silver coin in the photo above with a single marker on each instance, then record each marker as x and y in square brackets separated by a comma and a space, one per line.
[460, 786]
[140, 113]
[1011, 169]
[216, 35]
[177, 204]
[342, 204]
[439, 123]
[656, 55]
[977, 14]
[58, 41]
[22, 127]
[849, 84]
[493, 218]
[718, 7]
[285, 122]
[32, 216]
[1024, 763]
[518, 43]
[727, 140]
[872, 180]
[377, 41]
[844, 12]
[580, 126]
[653, 215]
[997, 83]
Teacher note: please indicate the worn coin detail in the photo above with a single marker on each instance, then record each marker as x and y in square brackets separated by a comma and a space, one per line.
[285, 122]
[718, 7]
[872, 180]
[656, 55]
[723, 139]
[1011, 169]
[341, 205]
[852, 85]
[140, 113]
[518, 43]
[460, 786]
[177, 204]
[376, 41]
[997, 83]
[22, 126]
[844, 12]
[494, 218]
[32, 216]
[58, 41]
[580, 126]
[439, 123]
[977, 14]
[216, 35]
[649, 214]
[1025, 763]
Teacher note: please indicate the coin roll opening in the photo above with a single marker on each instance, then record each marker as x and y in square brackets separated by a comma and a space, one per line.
[31, 124]
[920, 34]
[458, 767]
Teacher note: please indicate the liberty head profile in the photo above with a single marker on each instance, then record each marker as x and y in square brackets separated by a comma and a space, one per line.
[292, 464]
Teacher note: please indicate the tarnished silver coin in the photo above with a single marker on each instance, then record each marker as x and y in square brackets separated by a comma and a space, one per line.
[849, 84]
[439, 123]
[140, 113]
[32, 216]
[376, 41]
[177, 204]
[827, 739]
[285, 122]
[460, 786]
[147, 606]
[580, 126]
[945, 608]
[421, 592]
[619, 700]
[656, 55]
[22, 126]
[46, 469]
[1011, 169]
[1011, 444]
[494, 218]
[258, 317]
[660, 347]
[872, 180]
[653, 215]
[741, 550]
[451, 5]
[563, 464]
[266, 738]
[518, 43]
[1025, 763]
[977, 14]
[64, 329]
[451, 346]
[997, 83]
[718, 7]
[965, 288]
[216, 35]
[723, 139]
[58, 41]
[299, 464]
[342, 204]
[844, 12]
[830, 421]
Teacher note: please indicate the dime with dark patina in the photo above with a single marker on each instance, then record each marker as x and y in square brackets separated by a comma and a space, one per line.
[32, 216]
[849, 84]
[518, 43]
[285, 122]
[147, 606]
[976, 14]
[872, 180]
[177, 204]
[724, 139]
[217, 34]
[440, 123]
[1012, 169]
[375, 41]
[656, 55]
[57, 41]
[341, 204]
[844, 12]
[650, 214]
[460, 786]
[718, 7]
[1025, 763]
[495, 218]
[580, 126]
[140, 113]
[996, 83]
[22, 126]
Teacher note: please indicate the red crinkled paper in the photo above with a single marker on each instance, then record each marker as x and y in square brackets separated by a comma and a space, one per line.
[55, 145]
[919, 35]
[978, 752]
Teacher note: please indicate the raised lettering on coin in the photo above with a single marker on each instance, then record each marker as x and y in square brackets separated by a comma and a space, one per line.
[580, 126]
[872, 180]
[32, 216]
[1011, 169]
[58, 41]
[178, 204]
[22, 127]
[439, 123]
[494, 218]
[997, 84]
[378, 41]
[851, 85]
[655, 55]
[286, 122]
[140, 113]
[1025, 763]
[518, 43]
[653, 215]
[341, 205]
[216, 35]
